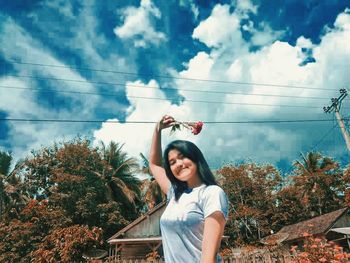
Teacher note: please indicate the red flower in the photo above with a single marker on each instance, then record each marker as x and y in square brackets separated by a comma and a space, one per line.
[196, 127]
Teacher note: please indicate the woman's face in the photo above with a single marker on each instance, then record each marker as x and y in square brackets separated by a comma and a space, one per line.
[183, 168]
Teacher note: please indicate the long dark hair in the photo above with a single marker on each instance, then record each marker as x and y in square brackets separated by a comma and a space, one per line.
[192, 152]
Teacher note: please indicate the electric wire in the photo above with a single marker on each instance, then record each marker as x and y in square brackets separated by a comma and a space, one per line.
[170, 89]
[169, 77]
[187, 100]
[323, 137]
[122, 84]
[153, 122]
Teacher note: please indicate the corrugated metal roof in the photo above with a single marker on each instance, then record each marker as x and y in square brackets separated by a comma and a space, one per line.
[342, 230]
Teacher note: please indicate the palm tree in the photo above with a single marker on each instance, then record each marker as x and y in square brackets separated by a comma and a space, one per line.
[151, 192]
[5, 162]
[10, 193]
[319, 180]
[122, 185]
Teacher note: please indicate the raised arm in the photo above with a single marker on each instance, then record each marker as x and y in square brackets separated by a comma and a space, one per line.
[155, 156]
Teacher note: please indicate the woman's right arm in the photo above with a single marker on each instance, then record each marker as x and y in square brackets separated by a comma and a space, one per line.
[155, 156]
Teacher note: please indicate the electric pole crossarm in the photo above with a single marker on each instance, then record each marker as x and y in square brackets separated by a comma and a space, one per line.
[336, 104]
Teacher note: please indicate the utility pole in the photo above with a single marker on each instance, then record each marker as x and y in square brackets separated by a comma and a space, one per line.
[336, 104]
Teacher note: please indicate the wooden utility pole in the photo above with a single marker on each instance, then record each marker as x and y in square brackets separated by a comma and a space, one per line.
[336, 104]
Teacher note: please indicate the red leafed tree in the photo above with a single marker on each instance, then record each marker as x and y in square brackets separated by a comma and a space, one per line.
[289, 207]
[66, 244]
[78, 193]
[251, 191]
[20, 236]
[320, 184]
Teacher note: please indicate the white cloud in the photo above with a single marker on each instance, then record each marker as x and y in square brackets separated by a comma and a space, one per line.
[136, 136]
[199, 67]
[218, 29]
[234, 72]
[304, 42]
[138, 25]
[16, 44]
[264, 36]
[343, 20]
[277, 63]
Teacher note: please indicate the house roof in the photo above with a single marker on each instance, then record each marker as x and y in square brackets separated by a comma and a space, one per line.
[317, 225]
[137, 221]
[342, 230]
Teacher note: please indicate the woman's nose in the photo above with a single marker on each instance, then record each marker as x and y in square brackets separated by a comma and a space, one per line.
[179, 163]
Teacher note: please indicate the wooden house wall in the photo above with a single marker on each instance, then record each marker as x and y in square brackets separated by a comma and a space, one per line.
[137, 251]
[148, 227]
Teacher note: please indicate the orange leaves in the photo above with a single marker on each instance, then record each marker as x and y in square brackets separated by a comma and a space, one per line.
[251, 191]
[319, 250]
[152, 255]
[67, 244]
[67, 178]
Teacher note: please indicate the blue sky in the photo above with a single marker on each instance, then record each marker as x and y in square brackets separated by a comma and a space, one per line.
[133, 61]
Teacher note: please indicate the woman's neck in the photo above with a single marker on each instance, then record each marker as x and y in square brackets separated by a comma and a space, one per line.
[194, 183]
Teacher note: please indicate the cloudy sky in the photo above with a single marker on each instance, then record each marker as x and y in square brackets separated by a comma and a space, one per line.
[107, 69]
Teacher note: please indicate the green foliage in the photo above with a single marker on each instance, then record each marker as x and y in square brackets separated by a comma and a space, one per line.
[5, 162]
[151, 193]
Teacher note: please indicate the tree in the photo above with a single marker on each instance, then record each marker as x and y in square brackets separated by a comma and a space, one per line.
[5, 162]
[251, 191]
[11, 198]
[319, 182]
[67, 174]
[61, 180]
[289, 207]
[27, 230]
[67, 244]
[119, 178]
[44, 233]
[346, 178]
[151, 192]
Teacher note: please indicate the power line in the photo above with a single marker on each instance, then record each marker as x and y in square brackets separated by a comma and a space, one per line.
[187, 100]
[323, 137]
[153, 122]
[167, 76]
[161, 89]
[123, 84]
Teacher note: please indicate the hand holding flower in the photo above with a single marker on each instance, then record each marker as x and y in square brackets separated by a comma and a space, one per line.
[195, 127]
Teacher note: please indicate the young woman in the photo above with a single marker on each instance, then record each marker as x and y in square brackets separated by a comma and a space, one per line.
[193, 222]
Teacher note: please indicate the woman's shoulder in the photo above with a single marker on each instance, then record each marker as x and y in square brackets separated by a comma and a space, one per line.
[214, 189]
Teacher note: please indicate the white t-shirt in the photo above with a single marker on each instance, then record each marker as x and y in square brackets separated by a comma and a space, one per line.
[182, 222]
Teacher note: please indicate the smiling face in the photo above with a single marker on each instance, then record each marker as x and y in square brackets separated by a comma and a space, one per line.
[183, 168]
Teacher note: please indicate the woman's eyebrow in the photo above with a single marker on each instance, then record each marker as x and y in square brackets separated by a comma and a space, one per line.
[173, 158]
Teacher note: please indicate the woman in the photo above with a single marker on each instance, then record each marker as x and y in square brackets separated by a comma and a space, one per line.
[193, 222]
